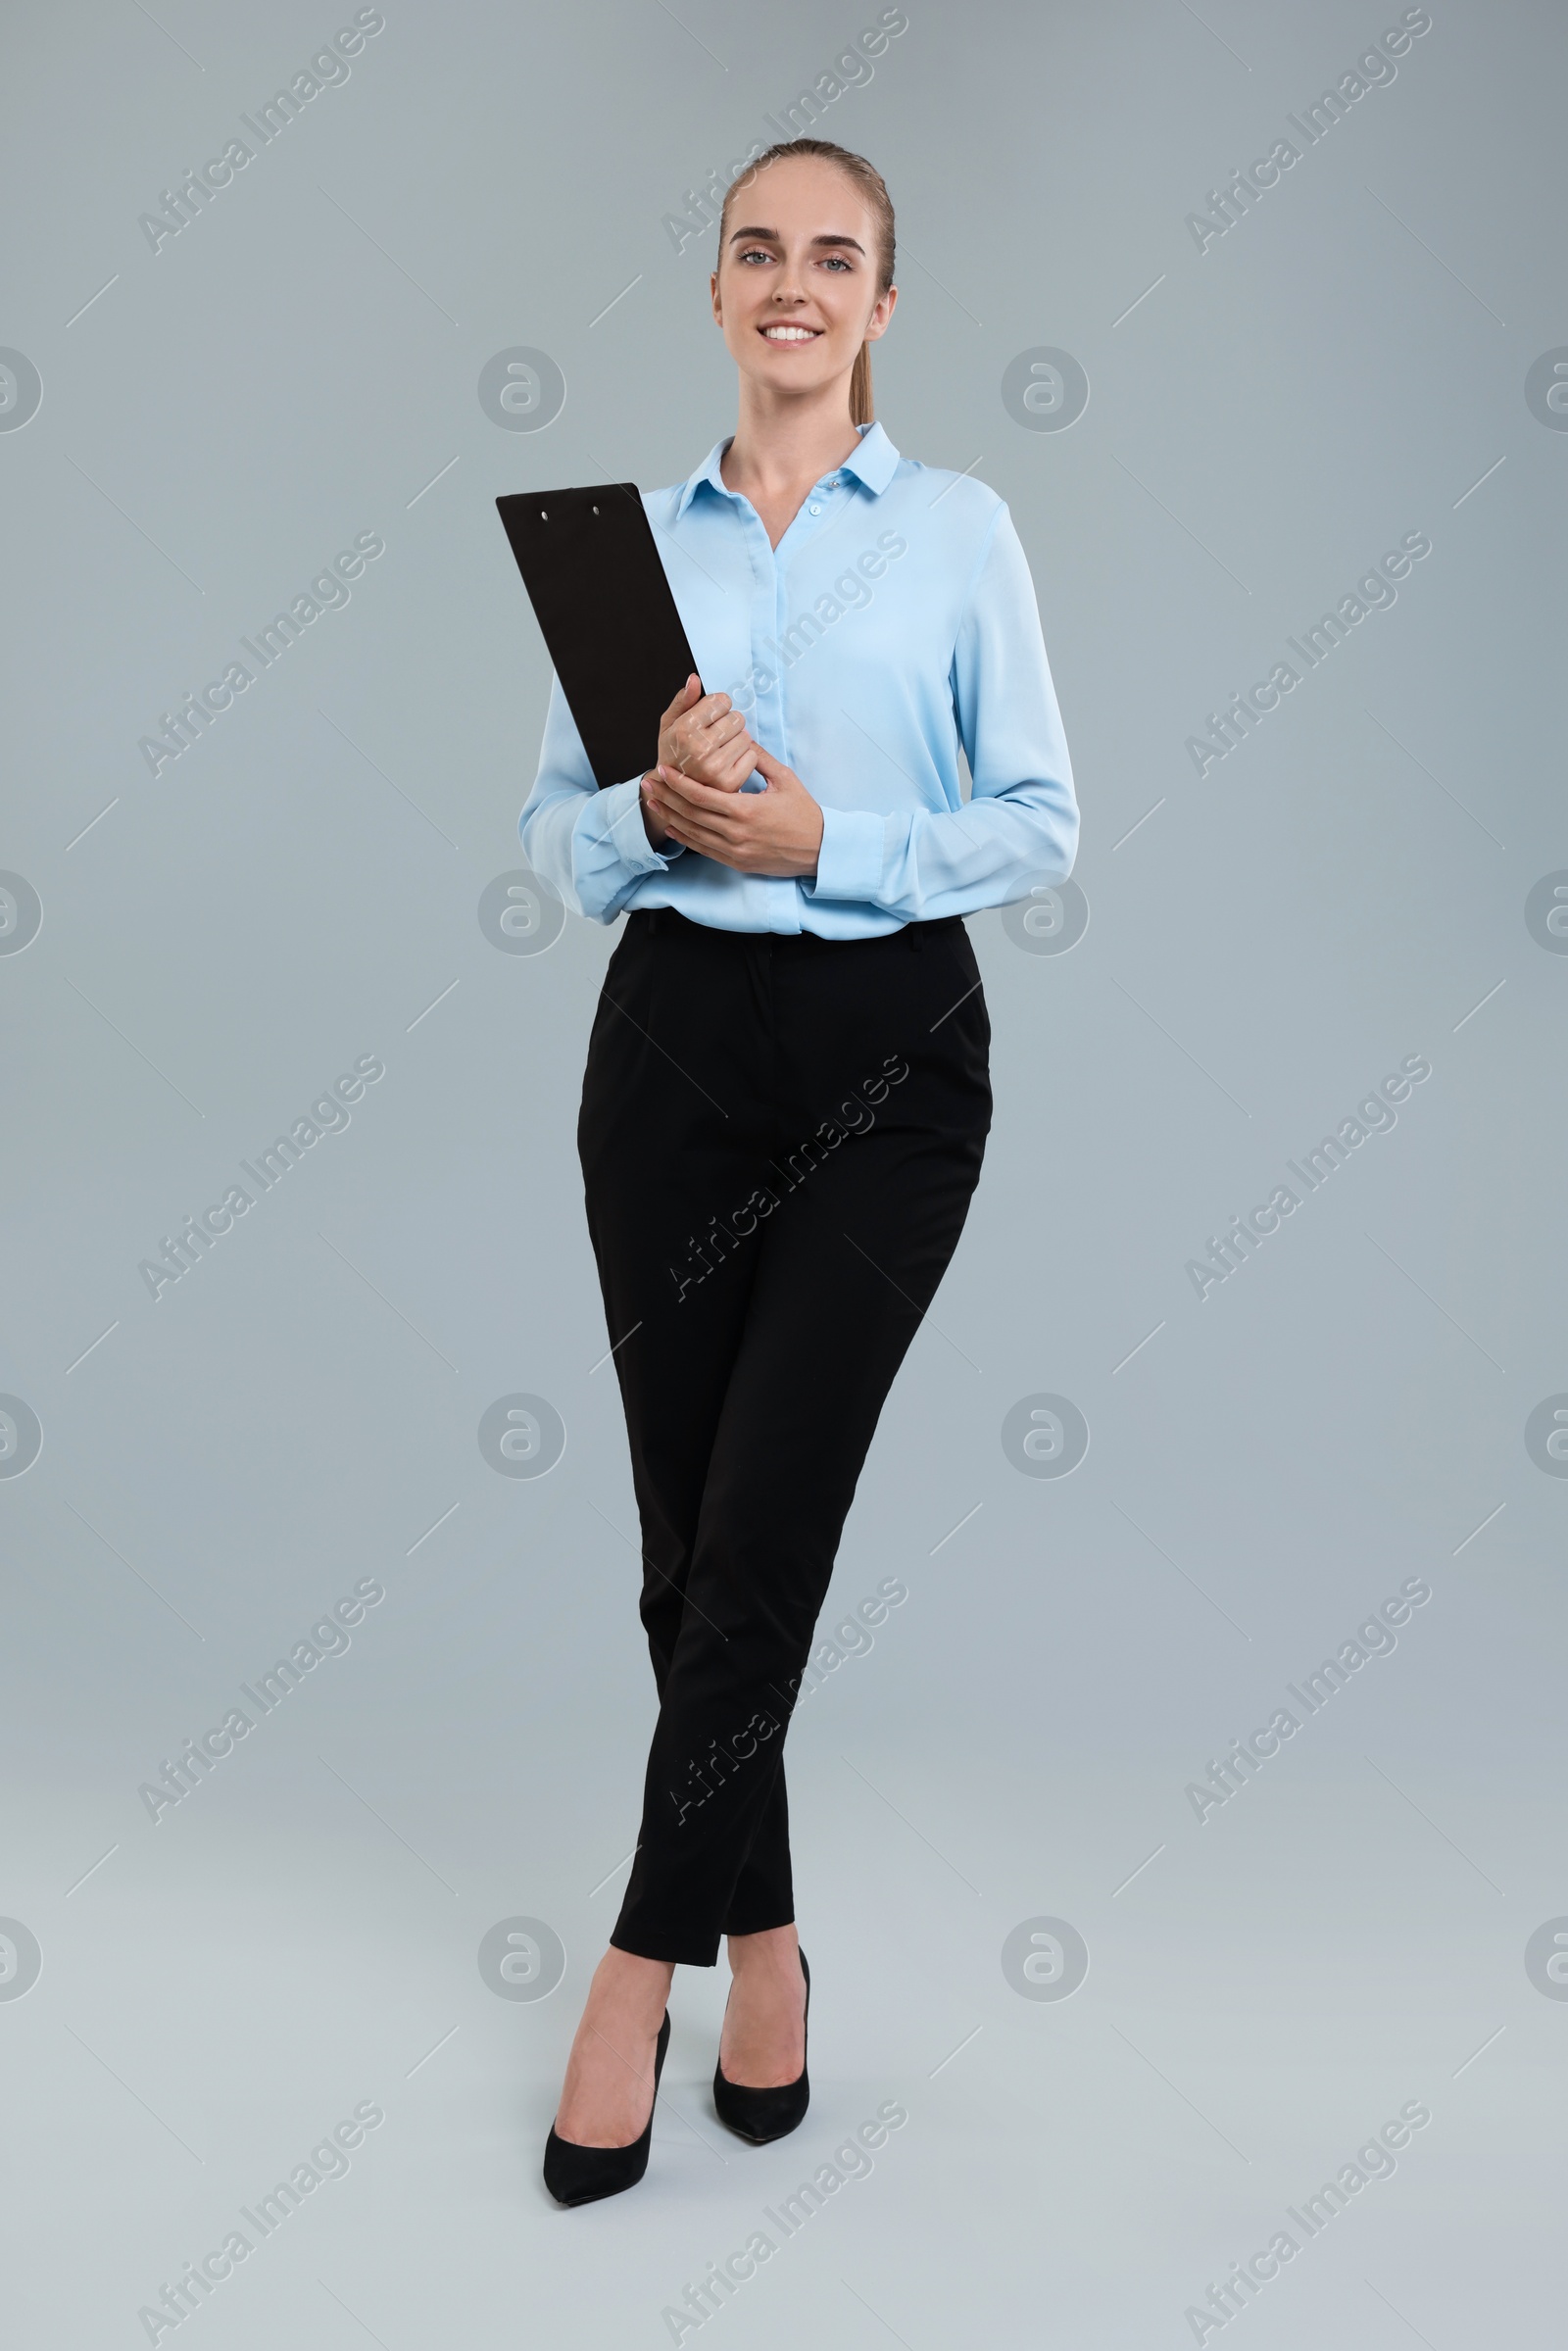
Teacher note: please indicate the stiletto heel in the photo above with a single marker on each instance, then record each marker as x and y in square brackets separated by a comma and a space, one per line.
[760, 2115]
[576, 2175]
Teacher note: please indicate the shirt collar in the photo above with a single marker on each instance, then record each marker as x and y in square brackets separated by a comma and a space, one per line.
[874, 462]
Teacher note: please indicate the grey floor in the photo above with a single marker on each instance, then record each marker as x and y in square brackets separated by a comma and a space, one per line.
[1132, 2034]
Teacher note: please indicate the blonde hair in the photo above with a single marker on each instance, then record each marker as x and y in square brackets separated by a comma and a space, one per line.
[872, 187]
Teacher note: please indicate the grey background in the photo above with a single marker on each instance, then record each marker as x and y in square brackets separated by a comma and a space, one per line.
[218, 1991]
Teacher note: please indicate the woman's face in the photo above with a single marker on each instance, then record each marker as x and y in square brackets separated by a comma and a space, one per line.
[795, 288]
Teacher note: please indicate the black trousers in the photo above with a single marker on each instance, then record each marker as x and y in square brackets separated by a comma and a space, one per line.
[779, 1140]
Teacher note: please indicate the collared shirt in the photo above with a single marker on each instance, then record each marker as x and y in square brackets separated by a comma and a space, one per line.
[895, 620]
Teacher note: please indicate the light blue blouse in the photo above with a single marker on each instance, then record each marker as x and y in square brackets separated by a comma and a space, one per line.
[895, 620]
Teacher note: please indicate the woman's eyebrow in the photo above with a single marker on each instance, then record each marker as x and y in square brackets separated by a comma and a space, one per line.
[771, 236]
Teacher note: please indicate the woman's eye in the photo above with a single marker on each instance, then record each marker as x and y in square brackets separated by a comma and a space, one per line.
[836, 261]
[755, 253]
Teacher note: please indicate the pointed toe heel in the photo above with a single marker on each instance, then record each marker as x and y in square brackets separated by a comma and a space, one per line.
[576, 2175]
[760, 2115]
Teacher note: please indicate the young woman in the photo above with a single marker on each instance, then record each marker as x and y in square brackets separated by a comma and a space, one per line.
[787, 1093]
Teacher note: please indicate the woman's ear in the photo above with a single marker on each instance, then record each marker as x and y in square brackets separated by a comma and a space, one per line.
[881, 318]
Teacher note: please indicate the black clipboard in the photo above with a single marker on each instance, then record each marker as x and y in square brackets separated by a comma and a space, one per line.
[606, 614]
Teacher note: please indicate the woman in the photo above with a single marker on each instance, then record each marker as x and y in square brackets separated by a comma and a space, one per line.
[787, 1093]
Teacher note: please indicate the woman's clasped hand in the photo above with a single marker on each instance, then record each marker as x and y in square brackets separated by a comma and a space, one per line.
[694, 798]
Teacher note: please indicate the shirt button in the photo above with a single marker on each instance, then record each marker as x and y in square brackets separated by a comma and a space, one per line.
[814, 509]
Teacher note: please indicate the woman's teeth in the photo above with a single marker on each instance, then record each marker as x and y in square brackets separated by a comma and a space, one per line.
[791, 334]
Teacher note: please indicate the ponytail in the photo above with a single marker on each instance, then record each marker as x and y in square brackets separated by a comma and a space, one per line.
[862, 411]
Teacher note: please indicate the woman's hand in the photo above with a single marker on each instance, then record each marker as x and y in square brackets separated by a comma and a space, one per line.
[701, 736]
[705, 737]
[777, 831]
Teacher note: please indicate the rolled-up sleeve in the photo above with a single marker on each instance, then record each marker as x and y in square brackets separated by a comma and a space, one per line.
[590, 846]
[1020, 824]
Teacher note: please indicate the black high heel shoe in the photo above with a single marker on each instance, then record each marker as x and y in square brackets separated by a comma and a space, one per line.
[576, 2175]
[760, 2115]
